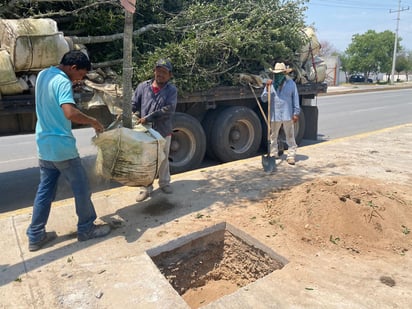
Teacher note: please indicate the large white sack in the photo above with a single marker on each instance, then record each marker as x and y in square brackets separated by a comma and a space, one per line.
[316, 71]
[33, 44]
[312, 48]
[130, 157]
[9, 83]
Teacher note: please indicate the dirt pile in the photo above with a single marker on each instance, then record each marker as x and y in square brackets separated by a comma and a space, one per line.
[354, 213]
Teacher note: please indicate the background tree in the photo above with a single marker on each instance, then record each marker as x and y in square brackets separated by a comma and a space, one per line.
[371, 52]
[403, 64]
[344, 62]
[409, 53]
[327, 49]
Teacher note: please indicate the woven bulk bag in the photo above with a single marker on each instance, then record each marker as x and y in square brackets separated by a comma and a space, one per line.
[33, 44]
[316, 70]
[130, 157]
[9, 84]
[312, 48]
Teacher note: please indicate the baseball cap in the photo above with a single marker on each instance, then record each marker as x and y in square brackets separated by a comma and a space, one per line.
[164, 63]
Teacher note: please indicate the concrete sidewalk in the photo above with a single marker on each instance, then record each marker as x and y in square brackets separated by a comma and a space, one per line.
[360, 87]
[117, 272]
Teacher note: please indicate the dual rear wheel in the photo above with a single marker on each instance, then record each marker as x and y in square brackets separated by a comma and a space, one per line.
[227, 134]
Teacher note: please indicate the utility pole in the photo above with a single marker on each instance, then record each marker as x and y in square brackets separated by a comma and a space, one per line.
[127, 69]
[130, 8]
[396, 39]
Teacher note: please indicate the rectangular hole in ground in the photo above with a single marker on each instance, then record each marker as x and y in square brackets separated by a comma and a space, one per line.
[203, 267]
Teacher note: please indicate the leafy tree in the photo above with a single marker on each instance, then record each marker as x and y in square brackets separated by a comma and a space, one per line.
[344, 62]
[371, 52]
[409, 69]
[327, 49]
[403, 64]
[215, 40]
[208, 41]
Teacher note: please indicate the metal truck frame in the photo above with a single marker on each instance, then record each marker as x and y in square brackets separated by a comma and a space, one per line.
[223, 123]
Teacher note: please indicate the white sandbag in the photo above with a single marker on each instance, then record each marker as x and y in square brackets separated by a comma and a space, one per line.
[107, 94]
[33, 44]
[316, 71]
[130, 157]
[312, 48]
[9, 84]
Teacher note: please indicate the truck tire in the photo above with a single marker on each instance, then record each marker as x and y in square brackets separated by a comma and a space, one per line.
[208, 124]
[236, 135]
[188, 144]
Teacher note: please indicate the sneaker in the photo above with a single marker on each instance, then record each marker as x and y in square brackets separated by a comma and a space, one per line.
[291, 160]
[47, 237]
[95, 232]
[167, 189]
[142, 195]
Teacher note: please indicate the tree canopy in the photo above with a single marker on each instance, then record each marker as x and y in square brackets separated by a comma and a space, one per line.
[370, 52]
[211, 42]
[208, 41]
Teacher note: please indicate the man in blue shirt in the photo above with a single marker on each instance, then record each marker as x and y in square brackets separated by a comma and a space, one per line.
[155, 101]
[57, 151]
[285, 109]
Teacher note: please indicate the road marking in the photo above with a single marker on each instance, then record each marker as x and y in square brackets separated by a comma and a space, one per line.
[361, 135]
[16, 160]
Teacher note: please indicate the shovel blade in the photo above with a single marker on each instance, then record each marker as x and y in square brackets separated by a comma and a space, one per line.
[268, 163]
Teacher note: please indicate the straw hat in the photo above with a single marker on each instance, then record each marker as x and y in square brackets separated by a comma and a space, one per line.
[280, 67]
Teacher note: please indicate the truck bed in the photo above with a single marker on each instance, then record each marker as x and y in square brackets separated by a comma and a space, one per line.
[233, 93]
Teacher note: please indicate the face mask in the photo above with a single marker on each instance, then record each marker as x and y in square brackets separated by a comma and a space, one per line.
[279, 77]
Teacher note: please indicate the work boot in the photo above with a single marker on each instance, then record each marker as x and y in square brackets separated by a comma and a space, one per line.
[95, 232]
[291, 160]
[167, 189]
[142, 194]
[47, 237]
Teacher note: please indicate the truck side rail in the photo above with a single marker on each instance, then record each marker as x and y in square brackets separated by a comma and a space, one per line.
[234, 93]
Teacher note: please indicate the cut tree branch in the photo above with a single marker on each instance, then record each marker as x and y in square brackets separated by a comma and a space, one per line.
[74, 12]
[114, 37]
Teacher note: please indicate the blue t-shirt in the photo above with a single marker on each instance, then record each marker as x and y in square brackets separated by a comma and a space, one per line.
[54, 137]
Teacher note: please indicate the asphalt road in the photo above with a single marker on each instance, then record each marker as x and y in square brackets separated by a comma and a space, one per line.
[350, 114]
[339, 116]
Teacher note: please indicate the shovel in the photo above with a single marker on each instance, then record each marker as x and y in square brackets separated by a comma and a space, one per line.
[268, 162]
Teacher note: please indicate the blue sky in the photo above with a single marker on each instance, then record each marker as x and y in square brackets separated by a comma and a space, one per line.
[336, 21]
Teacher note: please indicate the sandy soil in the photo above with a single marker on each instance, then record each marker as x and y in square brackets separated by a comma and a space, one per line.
[353, 215]
[341, 218]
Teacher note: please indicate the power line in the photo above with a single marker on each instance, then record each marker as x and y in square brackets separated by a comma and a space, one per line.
[349, 5]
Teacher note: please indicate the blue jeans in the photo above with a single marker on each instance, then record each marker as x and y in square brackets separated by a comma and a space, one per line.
[75, 174]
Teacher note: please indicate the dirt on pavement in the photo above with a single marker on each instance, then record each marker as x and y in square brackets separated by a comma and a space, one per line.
[354, 216]
[341, 217]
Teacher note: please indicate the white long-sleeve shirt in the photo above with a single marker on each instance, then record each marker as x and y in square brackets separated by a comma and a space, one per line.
[285, 103]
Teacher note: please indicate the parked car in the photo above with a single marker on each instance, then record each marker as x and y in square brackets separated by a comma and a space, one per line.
[358, 78]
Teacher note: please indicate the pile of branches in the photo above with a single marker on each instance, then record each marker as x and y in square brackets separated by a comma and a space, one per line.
[212, 43]
[208, 41]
